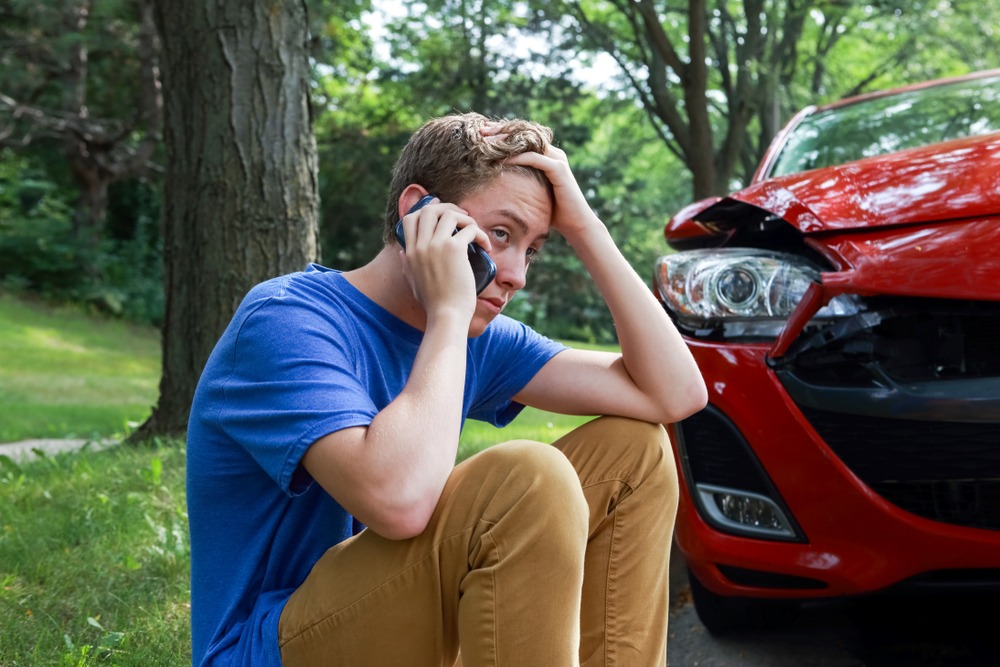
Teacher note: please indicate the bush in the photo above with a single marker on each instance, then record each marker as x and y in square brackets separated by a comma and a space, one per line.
[40, 250]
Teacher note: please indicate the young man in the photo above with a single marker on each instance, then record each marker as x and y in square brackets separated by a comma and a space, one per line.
[329, 522]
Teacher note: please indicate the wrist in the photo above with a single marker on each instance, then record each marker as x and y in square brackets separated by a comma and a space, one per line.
[592, 232]
[449, 318]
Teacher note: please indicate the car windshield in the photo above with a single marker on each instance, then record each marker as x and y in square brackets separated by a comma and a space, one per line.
[890, 124]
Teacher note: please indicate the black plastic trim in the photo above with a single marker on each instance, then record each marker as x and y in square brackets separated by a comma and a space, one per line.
[764, 484]
[975, 400]
[761, 579]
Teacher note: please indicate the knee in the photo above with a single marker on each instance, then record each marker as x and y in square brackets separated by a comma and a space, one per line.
[541, 478]
[634, 449]
[649, 446]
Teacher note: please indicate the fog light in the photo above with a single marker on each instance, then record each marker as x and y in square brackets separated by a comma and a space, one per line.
[744, 511]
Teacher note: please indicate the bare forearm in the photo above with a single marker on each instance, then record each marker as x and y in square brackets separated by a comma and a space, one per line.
[653, 352]
[412, 443]
[390, 474]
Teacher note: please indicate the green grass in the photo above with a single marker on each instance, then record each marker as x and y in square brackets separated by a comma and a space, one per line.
[531, 424]
[94, 559]
[66, 374]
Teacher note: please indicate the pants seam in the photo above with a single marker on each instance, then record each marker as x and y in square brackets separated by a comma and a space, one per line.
[495, 649]
[610, 597]
[605, 480]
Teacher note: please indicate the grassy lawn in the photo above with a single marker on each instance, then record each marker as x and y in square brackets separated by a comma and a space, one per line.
[94, 557]
[65, 374]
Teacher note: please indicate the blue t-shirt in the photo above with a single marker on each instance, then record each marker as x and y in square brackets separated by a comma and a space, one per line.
[305, 355]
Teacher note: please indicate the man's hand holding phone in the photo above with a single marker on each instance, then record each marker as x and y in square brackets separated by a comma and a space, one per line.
[434, 237]
[483, 267]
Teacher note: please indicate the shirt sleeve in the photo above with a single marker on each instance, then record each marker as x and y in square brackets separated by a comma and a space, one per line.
[294, 378]
[508, 355]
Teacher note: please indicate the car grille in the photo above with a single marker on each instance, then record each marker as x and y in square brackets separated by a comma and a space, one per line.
[945, 471]
[912, 340]
[937, 465]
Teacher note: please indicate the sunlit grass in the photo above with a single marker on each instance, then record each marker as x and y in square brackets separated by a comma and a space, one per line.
[531, 424]
[64, 373]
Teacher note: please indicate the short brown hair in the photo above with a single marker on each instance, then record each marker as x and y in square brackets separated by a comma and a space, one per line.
[450, 158]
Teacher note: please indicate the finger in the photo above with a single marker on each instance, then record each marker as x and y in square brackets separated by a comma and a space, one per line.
[423, 223]
[409, 221]
[472, 233]
[539, 160]
[440, 224]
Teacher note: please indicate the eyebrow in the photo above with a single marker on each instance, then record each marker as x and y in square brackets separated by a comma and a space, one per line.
[520, 223]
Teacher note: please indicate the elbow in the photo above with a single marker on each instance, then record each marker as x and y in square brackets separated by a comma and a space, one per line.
[692, 398]
[698, 398]
[403, 518]
[403, 526]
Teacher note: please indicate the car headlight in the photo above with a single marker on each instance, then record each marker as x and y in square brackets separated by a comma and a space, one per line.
[739, 292]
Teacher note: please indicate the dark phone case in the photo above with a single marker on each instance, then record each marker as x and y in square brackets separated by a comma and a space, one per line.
[483, 267]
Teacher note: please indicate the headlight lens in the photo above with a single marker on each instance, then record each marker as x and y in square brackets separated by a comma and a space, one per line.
[746, 292]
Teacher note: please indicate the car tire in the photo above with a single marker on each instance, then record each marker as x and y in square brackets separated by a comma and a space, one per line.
[724, 616]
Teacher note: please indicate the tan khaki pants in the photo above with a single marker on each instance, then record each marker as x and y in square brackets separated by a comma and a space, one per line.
[536, 555]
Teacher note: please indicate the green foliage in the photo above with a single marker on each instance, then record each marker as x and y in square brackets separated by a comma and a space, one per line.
[94, 559]
[41, 251]
[499, 57]
[43, 42]
[361, 124]
[78, 114]
[889, 43]
[36, 245]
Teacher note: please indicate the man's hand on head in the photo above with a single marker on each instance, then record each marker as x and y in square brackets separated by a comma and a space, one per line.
[572, 216]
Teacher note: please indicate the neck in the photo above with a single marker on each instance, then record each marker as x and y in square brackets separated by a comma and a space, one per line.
[382, 281]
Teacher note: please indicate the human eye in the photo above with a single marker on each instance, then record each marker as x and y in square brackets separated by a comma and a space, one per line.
[532, 254]
[501, 234]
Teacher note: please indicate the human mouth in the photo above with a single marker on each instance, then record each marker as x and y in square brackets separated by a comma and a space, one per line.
[495, 304]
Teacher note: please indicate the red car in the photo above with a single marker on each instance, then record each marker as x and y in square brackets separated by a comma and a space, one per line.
[844, 309]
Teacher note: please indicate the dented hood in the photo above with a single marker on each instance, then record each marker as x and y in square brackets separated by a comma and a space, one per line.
[952, 181]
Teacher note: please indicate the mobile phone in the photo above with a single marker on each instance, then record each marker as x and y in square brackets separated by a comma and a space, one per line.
[483, 267]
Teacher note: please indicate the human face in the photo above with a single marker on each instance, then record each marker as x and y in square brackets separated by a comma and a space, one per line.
[515, 211]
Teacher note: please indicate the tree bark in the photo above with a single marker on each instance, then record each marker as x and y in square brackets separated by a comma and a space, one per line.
[240, 191]
[701, 159]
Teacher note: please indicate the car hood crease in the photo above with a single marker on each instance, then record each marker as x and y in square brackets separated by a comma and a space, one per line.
[917, 186]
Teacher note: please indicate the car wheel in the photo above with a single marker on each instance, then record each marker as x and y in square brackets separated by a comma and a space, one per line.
[723, 615]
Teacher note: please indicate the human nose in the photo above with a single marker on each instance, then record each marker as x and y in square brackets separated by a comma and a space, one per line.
[511, 272]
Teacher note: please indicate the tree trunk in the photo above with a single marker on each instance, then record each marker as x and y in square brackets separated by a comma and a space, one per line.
[240, 191]
[701, 158]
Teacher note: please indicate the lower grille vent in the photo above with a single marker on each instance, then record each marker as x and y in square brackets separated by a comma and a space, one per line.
[944, 471]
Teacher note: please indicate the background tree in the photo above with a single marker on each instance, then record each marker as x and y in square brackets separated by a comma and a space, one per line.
[80, 129]
[757, 61]
[240, 192]
[718, 78]
[82, 77]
